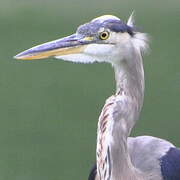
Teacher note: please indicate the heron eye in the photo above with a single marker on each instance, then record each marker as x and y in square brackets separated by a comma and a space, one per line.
[104, 35]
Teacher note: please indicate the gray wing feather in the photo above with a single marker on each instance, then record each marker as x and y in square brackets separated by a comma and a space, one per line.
[145, 153]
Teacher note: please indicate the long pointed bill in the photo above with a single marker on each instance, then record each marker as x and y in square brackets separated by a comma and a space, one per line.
[73, 44]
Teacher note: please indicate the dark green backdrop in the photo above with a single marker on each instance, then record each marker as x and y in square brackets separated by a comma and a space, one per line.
[49, 108]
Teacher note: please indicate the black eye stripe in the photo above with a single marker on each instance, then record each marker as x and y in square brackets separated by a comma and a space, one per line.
[118, 26]
[92, 28]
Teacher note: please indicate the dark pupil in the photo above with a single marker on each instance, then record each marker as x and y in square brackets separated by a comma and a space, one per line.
[104, 35]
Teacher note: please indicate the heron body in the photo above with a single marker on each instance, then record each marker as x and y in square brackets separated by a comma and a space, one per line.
[118, 156]
[153, 156]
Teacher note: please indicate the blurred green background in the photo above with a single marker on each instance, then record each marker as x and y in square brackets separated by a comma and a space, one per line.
[49, 108]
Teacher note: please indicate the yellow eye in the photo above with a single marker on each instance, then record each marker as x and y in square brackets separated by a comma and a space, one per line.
[104, 35]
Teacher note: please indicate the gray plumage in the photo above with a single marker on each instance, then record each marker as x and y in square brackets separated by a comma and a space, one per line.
[118, 157]
[146, 153]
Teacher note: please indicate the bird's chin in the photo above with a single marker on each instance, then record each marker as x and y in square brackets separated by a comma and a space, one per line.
[77, 58]
[99, 50]
[91, 53]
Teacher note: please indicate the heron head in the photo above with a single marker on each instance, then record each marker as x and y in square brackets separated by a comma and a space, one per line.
[104, 39]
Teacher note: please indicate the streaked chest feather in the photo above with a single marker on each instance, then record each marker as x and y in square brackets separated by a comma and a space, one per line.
[103, 139]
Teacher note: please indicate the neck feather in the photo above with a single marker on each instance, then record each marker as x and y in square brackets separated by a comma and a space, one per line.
[129, 75]
[118, 118]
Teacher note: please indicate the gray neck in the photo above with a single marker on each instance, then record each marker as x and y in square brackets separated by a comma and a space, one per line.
[129, 76]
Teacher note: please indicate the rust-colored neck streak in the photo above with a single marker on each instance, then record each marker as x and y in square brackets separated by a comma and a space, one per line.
[103, 157]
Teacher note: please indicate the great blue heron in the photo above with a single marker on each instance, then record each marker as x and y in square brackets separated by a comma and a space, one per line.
[118, 157]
